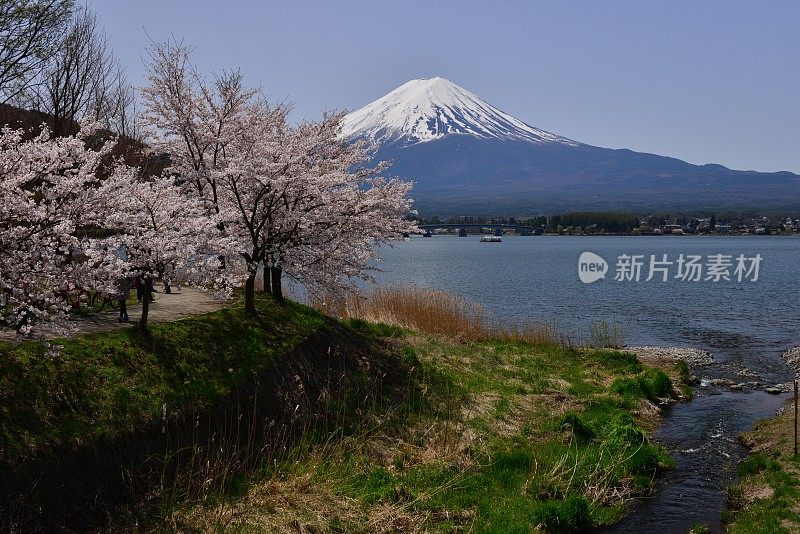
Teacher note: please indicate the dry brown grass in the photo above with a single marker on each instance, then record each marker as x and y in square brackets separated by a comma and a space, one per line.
[299, 501]
[296, 503]
[545, 333]
[433, 312]
[424, 310]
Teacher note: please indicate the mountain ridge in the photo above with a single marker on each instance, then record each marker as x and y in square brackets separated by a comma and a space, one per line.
[467, 156]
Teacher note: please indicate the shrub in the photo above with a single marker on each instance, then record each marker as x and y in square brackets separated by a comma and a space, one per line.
[606, 335]
[652, 385]
[571, 515]
[655, 384]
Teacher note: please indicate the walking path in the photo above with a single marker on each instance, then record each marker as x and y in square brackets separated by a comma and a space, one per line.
[166, 307]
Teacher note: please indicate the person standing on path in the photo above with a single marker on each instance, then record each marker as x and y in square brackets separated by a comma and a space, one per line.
[124, 293]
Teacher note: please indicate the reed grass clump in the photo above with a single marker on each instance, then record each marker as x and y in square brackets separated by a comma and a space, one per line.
[536, 333]
[434, 312]
[424, 310]
[603, 334]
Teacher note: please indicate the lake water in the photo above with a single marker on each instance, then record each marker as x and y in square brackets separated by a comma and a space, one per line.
[743, 324]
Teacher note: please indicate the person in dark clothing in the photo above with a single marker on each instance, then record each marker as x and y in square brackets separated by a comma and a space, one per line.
[122, 297]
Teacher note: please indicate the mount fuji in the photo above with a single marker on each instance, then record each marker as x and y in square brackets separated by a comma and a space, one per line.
[469, 157]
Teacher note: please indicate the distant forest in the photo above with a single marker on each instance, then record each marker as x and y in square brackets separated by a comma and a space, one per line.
[607, 221]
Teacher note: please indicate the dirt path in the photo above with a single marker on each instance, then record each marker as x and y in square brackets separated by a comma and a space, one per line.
[166, 307]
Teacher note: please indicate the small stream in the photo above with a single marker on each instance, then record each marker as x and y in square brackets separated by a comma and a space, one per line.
[701, 436]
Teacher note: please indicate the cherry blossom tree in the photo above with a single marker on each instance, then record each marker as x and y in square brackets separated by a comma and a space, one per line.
[75, 221]
[252, 185]
[340, 210]
[191, 120]
[342, 246]
[47, 190]
[160, 233]
[304, 201]
[301, 200]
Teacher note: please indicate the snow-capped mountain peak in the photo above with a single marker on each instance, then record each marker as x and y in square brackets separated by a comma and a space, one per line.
[430, 108]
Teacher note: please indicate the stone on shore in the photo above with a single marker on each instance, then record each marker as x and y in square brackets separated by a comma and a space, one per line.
[792, 357]
[693, 357]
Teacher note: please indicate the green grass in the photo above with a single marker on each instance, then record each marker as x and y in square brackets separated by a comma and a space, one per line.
[766, 498]
[104, 384]
[774, 513]
[542, 472]
[491, 436]
[653, 385]
[685, 379]
[756, 463]
[375, 330]
[503, 437]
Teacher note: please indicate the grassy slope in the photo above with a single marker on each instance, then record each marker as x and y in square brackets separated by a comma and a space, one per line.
[493, 435]
[767, 497]
[103, 384]
[502, 436]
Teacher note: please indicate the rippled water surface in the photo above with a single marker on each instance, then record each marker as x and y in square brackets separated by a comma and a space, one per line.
[744, 325]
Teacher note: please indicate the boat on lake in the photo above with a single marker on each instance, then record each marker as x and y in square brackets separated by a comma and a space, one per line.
[491, 239]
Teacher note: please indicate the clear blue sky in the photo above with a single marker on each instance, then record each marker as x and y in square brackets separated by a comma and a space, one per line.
[711, 81]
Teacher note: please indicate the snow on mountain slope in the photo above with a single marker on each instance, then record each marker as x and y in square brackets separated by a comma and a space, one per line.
[427, 109]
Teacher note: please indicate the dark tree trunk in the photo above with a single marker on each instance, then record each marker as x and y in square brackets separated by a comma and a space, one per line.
[267, 287]
[250, 294]
[275, 283]
[147, 294]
